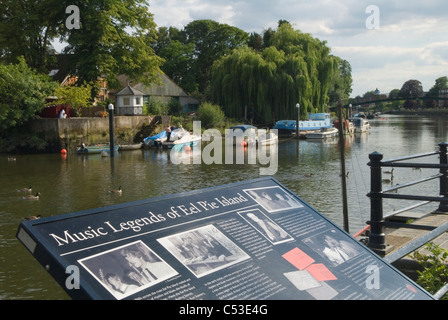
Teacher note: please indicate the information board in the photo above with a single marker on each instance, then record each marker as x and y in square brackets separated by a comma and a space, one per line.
[251, 240]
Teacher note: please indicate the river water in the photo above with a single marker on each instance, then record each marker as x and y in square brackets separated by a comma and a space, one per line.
[73, 183]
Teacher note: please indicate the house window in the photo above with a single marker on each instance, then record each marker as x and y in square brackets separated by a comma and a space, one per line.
[126, 101]
[137, 101]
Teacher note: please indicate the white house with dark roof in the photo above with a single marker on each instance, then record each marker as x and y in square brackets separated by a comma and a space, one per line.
[129, 101]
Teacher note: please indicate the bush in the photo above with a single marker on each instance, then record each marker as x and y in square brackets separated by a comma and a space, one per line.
[157, 108]
[210, 115]
[435, 268]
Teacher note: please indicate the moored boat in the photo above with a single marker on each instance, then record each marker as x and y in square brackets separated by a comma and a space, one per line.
[156, 140]
[361, 124]
[315, 121]
[267, 139]
[323, 133]
[243, 133]
[180, 139]
[134, 146]
[95, 149]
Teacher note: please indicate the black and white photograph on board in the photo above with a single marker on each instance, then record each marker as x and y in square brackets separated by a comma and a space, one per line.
[203, 250]
[273, 199]
[128, 269]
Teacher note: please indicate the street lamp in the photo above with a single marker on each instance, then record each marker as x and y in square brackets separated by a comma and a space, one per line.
[111, 128]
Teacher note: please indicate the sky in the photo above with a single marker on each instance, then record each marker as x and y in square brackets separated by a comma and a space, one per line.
[386, 42]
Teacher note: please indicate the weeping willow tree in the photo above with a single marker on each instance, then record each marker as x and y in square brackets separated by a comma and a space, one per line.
[293, 68]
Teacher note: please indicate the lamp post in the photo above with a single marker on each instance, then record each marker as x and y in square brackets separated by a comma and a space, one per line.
[297, 120]
[111, 128]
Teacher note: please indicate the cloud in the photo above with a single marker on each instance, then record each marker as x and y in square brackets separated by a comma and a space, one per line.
[410, 43]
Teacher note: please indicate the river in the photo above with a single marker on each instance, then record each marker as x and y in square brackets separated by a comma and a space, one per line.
[310, 169]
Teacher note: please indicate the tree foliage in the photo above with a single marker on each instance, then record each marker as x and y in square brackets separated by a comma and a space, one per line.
[293, 68]
[77, 97]
[22, 93]
[190, 53]
[114, 38]
[411, 88]
[27, 28]
[210, 115]
[440, 84]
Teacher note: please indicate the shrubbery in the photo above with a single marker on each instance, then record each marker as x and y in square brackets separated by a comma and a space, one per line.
[210, 115]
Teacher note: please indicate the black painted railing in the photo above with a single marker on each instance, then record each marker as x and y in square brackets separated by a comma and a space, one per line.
[377, 238]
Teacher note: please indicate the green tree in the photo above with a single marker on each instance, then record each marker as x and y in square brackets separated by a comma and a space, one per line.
[22, 94]
[210, 115]
[115, 37]
[295, 68]
[77, 97]
[341, 82]
[178, 65]
[440, 83]
[190, 53]
[411, 88]
[27, 28]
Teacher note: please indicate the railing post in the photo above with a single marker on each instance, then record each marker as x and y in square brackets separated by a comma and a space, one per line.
[443, 207]
[377, 238]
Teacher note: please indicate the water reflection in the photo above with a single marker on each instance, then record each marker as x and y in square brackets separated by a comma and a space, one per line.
[310, 169]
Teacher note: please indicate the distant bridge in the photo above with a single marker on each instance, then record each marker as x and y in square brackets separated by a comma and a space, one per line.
[393, 99]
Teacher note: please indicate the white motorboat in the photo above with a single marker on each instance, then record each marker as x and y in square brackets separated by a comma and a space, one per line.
[323, 133]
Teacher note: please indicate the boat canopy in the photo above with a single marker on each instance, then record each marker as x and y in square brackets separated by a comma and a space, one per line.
[242, 127]
[160, 135]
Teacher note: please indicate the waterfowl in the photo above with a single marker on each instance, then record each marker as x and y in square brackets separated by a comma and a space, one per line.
[31, 197]
[389, 172]
[387, 180]
[33, 217]
[12, 159]
[29, 189]
[309, 175]
[119, 191]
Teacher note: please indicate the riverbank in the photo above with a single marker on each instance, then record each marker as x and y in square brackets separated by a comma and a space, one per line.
[50, 135]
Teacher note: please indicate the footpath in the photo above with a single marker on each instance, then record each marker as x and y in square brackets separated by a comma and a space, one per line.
[399, 239]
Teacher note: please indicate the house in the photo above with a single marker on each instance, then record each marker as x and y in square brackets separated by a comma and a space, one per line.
[129, 101]
[164, 91]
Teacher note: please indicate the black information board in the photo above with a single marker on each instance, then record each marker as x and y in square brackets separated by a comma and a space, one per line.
[252, 240]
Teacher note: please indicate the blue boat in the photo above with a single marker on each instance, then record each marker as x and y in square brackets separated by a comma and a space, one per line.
[315, 121]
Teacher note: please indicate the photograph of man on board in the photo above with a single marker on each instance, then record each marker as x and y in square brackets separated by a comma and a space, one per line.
[128, 269]
[273, 199]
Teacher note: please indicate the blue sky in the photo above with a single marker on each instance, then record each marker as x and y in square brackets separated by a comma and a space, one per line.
[409, 41]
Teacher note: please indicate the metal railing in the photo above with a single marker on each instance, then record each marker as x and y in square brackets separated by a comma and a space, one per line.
[377, 238]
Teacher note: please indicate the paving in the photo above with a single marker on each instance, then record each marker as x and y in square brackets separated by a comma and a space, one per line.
[397, 238]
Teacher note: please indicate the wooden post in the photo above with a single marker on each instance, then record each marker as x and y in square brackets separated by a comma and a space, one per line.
[343, 172]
